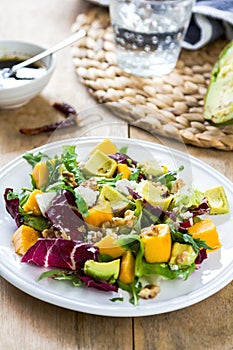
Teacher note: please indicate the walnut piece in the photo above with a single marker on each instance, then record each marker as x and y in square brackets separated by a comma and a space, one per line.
[69, 178]
[52, 232]
[91, 183]
[149, 292]
[127, 220]
[179, 183]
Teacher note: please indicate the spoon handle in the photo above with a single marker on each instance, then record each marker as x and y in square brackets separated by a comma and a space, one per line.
[68, 41]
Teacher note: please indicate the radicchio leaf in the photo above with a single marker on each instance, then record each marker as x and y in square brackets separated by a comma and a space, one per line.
[100, 285]
[123, 159]
[154, 210]
[12, 207]
[60, 252]
[157, 211]
[184, 225]
[202, 255]
[65, 217]
[203, 208]
[134, 194]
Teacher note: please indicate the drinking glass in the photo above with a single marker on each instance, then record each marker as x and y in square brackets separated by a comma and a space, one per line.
[149, 34]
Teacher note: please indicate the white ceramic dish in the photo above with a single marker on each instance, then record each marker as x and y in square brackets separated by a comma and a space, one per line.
[19, 95]
[215, 273]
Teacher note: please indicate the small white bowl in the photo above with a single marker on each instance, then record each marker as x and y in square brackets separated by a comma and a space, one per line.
[17, 96]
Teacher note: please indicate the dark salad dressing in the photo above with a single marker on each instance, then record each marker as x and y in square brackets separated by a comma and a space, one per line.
[23, 75]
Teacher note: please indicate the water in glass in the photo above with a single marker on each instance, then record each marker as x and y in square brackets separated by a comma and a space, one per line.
[149, 34]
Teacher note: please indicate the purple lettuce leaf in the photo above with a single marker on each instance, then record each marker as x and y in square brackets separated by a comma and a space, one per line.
[152, 209]
[65, 217]
[60, 252]
[141, 177]
[100, 285]
[184, 225]
[203, 208]
[12, 207]
[122, 158]
[134, 194]
[202, 255]
[159, 212]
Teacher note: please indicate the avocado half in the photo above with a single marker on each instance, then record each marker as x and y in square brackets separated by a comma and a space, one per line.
[218, 103]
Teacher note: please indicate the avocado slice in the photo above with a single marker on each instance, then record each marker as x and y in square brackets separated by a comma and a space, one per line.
[153, 194]
[182, 255]
[103, 271]
[117, 201]
[218, 103]
[99, 164]
[106, 146]
[217, 200]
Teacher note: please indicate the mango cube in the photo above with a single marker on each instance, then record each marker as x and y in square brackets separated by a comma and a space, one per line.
[31, 205]
[157, 243]
[206, 231]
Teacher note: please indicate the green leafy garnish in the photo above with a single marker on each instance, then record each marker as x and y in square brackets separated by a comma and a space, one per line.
[81, 204]
[117, 299]
[190, 198]
[124, 149]
[134, 175]
[196, 243]
[69, 159]
[39, 223]
[142, 268]
[62, 276]
[109, 181]
[130, 242]
[33, 159]
[133, 289]
[12, 195]
[168, 177]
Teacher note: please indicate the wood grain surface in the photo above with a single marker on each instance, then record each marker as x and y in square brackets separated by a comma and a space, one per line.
[30, 324]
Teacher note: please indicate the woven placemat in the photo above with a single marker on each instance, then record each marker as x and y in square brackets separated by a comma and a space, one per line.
[171, 106]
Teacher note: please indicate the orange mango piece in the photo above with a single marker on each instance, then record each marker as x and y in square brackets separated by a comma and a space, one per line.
[157, 243]
[127, 269]
[99, 214]
[31, 204]
[24, 238]
[40, 174]
[124, 170]
[206, 231]
[108, 246]
[106, 146]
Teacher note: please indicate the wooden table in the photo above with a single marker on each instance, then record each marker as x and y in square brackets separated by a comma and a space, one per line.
[27, 323]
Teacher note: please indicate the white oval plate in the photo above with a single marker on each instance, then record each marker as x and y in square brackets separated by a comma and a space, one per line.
[215, 272]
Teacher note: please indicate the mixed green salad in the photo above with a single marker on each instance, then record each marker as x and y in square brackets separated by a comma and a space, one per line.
[112, 222]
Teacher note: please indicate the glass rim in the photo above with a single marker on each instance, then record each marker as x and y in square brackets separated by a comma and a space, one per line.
[160, 2]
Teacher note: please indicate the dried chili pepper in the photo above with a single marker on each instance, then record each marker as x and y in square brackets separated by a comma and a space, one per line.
[64, 108]
[67, 110]
[49, 127]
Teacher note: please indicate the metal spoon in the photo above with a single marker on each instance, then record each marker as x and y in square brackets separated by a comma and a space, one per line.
[7, 72]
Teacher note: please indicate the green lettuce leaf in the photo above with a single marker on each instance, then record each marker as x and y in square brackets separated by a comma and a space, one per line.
[142, 268]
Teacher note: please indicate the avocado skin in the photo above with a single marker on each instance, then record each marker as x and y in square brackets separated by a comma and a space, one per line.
[218, 102]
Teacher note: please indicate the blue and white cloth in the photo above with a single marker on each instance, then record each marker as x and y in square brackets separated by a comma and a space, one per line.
[211, 19]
